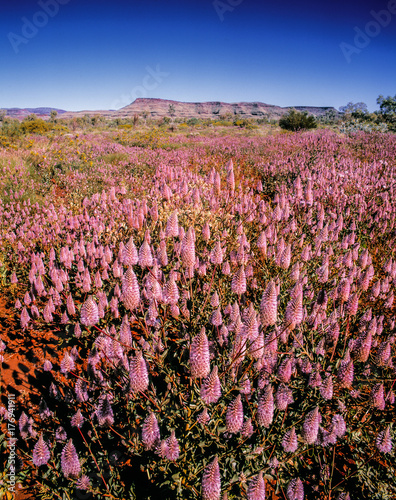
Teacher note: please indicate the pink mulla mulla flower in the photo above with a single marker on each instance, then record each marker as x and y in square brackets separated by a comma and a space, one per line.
[256, 488]
[80, 266]
[173, 448]
[64, 318]
[25, 426]
[346, 372]
[347, 259]
[171, 292]
[241, 257]
[285, 370]
[226, 268]
[256, 348]
[344, 290]
[138, 374]
[81, 391]
[289, 441]
[116, 269]
[364, 280]
[231, 180]
[388, 304]
[150, 432]
[326, 389]
[250, 323]
[105, 274]
[172, 226]
[14, 278]
[332, 334]
[211, 481]
[265, 407]
[285, 257]
[206, 232]
[199, 355]
[188, 249]
[306, 253]
[238, 284]
[352, 305]
[294, 310]
[211, 387]
[384, 354]
[217, 256]
[25, 318]
[338, 425]
[41, 452]
[283, 397]
[377, 396]
[89, 314]
[27, 299]
[130, 290]
[268, 305]
[67, 363]
[214, 300]
[295, 490]
[77, 420]
[98, 280]
[295, 272]
[262, 244]
[86, 282]
[104, 412]
[129, 256]
[362, 346]
[384, 441]
[71, 309]
[47, 365]
[376, 289]
[323, 272]
[216, 318]
[18, 304]
[162, 255]
[77, 330]
[125, 332]
[145, 255]
[204, 417]
[315, 379]
[69, 461]
[311, 426]
[247, 429]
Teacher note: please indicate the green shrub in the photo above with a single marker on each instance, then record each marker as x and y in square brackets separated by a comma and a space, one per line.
[295, 120]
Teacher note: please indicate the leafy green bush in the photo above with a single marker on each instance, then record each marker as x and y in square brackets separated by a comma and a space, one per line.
[295, 120]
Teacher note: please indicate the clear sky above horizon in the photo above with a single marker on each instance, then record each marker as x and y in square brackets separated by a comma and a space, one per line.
[100, 54]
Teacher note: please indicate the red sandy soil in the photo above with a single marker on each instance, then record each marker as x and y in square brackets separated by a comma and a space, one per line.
[24, 352]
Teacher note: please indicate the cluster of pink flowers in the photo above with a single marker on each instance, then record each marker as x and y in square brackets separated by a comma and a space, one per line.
[273, 294]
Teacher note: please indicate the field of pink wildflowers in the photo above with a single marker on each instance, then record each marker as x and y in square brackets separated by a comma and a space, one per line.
[223, 309]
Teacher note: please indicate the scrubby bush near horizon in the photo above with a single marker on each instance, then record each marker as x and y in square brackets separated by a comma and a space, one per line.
[295, 120]
[225, 315]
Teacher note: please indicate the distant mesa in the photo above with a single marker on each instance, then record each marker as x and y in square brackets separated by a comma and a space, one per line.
[21, 113]
[158, 108]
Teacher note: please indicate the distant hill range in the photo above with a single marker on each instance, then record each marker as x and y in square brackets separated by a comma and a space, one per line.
[21, 113]
[158, 108]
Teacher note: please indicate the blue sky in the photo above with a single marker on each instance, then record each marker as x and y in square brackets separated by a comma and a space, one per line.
[97, 54]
